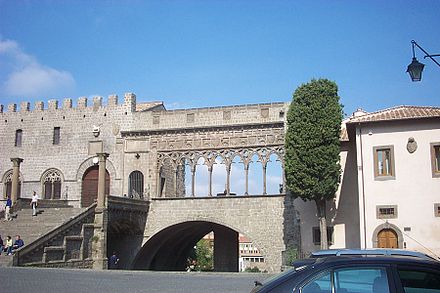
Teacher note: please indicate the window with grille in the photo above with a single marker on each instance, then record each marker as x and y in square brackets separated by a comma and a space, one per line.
[18, 137]
[437, 209]
[384, 162]
[136, 185]
[435, 159]
[56, 135]
[386, 212]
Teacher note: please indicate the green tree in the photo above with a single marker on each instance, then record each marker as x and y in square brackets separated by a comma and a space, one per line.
[312, 146]
[204, 255]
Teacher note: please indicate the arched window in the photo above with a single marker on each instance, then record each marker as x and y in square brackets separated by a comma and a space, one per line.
[7, 181]
[52, 181]
[136, 185]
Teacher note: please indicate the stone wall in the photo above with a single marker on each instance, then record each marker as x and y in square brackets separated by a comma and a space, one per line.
[91, 126]
[269, 221]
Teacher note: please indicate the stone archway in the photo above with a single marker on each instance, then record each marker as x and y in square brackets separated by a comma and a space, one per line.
[89, 189]
[169, 249]
[387, 234]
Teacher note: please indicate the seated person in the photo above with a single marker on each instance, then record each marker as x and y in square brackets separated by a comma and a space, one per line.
[17, 243]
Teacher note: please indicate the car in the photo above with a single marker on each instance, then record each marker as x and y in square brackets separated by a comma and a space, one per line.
[357, 273]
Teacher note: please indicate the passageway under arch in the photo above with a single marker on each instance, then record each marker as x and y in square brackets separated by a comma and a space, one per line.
[169, 249]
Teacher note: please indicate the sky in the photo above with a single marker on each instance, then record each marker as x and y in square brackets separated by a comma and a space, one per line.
[213, 53]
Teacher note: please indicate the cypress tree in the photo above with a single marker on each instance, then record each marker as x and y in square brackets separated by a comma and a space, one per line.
[312, 146]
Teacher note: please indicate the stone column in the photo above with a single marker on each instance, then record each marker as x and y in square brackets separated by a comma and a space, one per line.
[264, 178]
[228, 178]
[210, 181]
[158, 182]
[193, 180]
[246, 172]
[176, 172]
[15, 178]
[99, 242]
[101, 179]
[284, 180]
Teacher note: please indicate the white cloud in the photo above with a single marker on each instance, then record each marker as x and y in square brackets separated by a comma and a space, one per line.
[25, 76]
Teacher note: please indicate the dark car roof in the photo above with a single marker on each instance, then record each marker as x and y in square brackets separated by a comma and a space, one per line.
[304, 269]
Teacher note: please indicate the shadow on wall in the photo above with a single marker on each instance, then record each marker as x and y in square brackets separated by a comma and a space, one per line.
[291, 231]
[125, 237]
[347, 211]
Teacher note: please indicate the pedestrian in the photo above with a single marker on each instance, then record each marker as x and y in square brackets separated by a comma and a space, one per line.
[17, 243]
[8, 209]
[34, 204]
[8, 245]
[1, 244]
[113, 261]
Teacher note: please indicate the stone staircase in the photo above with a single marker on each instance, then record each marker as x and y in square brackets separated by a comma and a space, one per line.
[55, 236]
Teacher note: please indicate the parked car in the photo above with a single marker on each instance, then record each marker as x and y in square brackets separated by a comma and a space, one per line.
[358, 273]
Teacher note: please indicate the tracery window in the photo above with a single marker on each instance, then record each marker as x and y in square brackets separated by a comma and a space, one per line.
[8, 185]
[52, 181]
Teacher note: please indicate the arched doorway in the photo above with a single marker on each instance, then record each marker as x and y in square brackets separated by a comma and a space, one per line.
[89, 191]
[387, 238]
[8, 185]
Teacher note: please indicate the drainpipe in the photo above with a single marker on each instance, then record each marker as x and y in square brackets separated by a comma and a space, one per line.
[362, 179]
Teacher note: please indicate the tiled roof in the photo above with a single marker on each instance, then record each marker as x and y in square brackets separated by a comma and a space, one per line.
[398, 113]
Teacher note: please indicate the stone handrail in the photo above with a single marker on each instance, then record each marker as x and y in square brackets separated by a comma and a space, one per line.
[23, 251]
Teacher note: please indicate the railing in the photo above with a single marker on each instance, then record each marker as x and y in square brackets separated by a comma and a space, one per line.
[44, 240]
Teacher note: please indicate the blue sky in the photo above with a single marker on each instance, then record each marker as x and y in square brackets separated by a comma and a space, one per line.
[209, 53]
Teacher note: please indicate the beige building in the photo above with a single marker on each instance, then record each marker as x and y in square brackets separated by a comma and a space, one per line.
[390, 190]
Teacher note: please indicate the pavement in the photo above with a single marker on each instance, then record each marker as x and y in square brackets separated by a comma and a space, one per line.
[38, 280]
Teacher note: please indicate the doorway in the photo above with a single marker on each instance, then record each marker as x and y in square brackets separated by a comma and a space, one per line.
[89, 191]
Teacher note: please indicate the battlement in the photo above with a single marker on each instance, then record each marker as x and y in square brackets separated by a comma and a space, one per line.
[129, 104]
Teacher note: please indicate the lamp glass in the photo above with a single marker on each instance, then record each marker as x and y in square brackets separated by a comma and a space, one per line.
[415, 70]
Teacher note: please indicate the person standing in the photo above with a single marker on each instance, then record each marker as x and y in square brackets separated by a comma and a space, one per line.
[113, 261]
[8, 209]
[34, 204]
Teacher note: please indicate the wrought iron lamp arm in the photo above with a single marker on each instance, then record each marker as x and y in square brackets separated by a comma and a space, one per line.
[427, 54]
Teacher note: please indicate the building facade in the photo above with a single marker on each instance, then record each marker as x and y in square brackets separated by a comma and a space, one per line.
[388, 196]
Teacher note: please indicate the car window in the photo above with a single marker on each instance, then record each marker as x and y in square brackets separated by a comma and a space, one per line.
[320, 285]
[418, 281]
[361, 280]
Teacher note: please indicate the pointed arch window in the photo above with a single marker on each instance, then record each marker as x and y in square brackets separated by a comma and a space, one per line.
[7, 181]
[52, 181]
[136, 185]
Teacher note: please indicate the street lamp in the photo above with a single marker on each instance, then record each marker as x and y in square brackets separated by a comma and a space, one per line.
[415, 68]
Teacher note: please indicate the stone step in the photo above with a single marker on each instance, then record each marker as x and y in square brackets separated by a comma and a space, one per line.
[30, 228]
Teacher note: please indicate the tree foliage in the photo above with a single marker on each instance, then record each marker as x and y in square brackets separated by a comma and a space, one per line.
[312, 143]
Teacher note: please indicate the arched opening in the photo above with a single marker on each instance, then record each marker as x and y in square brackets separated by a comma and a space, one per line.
[255, 176]
[52, 181]
[219, 177]
[7, 179]
[136, 184]
[238, 176]
[169, 249]
[89, 191]
[387, 238]
[274, 175]
[201, 178]
[124, 237]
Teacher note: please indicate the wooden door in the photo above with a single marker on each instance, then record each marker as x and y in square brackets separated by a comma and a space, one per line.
[89, 191]
[387, 238]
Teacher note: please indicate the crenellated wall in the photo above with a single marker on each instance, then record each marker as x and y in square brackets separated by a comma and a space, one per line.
[93, 125]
